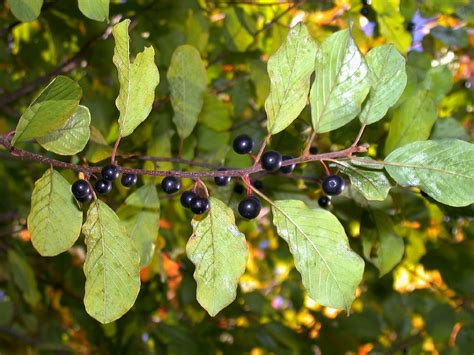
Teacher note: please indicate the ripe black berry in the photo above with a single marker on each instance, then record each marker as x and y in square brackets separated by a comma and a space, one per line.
[250, 207]
[170, 185]
[110, 172]
[103, 186]
[288, 169]
[365, 10]
[222, 180]
[85, 199]
[243, 144]
[238, 189]
[199, 205]
[333, 185]
[186, 198]
[313, 150]
[324, 201]
[410, 26]
[81, 189]
[128, 180]
[271, 160]
[258, 184]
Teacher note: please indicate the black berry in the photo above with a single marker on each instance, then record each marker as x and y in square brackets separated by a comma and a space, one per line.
[324, 201]
[333, 185]
[85, 199]
[365, 10]
[110, 172]
[250, 207]
[313, 150]
[129, 180]
[258, 184]
[243, 144]
[186, 198]
[103, 186]
[170, 185]
[81, 189]
[199, 205]
[222, 180]
[288, 169]
[238, 189]
[271, 160]
[410, 26]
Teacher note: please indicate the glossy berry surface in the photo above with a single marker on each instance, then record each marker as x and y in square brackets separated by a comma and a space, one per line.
[243, 144]
[238, 189]
[103, 186]
[250, 207]
[288, 169]
[110, 172]
[186, 198]
[222, 180]
[85, 199]
[129, 180]
[258, 184]
[324, 201]
[81, 189]
[271, 161]
[313, 150]
[333, 185]
[170, 185]
[199, 205]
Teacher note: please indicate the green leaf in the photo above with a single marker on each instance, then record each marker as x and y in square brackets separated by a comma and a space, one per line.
[214, 114]
[260, 80]
[443, 169]
[112, 265]
[388, 79]
[97, 10]
[290, 69]
[187, 79]
[138, 81]
[411, 121]
[438, 82]
[381, 245]
[219, 252]
[25, 10]
[449, 128]
[50, 110]
[54, 221]
[238, 29]
[330, 270]
[141, 217]
[341, 83]
[392, 23]
[70, 138]
[372, 184]
[24, 277]
[458, 37]
[197, 30]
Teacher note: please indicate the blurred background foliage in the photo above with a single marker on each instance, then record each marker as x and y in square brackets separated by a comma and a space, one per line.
[423, 305]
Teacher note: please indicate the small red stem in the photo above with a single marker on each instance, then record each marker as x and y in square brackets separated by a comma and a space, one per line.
[114, 151]
[328, 172]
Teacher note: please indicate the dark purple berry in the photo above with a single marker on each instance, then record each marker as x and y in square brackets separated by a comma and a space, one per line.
[81, 189]
[250, 207]
[222, 180]
[239, 189]
[271, 161]
[186, 198]
[243, 144]
[110, 172]
[313, 150]
[129, 180]
[170, 185]
[258, 184]
[103, 186]
[324, 201]
[85, 199]
[287, 169]
[333, 185]
[199, 205]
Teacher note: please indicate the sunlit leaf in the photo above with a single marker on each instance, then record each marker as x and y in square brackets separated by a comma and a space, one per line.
[214, 114]
[388, 79]
[381, 245]
[197, 31]
[238, 29]
[55, 220]
[341, 83]
[187, 79]
[138, 81]
[24, 278]
[289, 69]
[72, 137]
[438, 82]
[219, 251]
[411, 121]
[112, 265]
[50, 110]
[141, 217]
[25, 10]
[330, 270]
[95, 9]
[443, 169]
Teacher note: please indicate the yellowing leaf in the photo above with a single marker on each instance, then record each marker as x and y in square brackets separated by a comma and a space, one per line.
[138, 81]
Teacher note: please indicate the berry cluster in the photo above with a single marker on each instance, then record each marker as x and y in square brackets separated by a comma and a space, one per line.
[249, 207]
[82, 190]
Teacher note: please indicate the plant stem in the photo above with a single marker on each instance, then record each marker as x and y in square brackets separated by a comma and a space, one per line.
[114, 151]
[262, 148]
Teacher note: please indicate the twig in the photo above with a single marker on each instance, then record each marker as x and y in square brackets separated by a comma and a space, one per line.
[114, 151]
[359, 135]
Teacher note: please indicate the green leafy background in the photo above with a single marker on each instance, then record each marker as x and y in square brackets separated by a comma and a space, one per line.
[416, 291]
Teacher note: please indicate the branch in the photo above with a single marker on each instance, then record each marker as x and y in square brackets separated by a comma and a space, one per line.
[21, 154]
